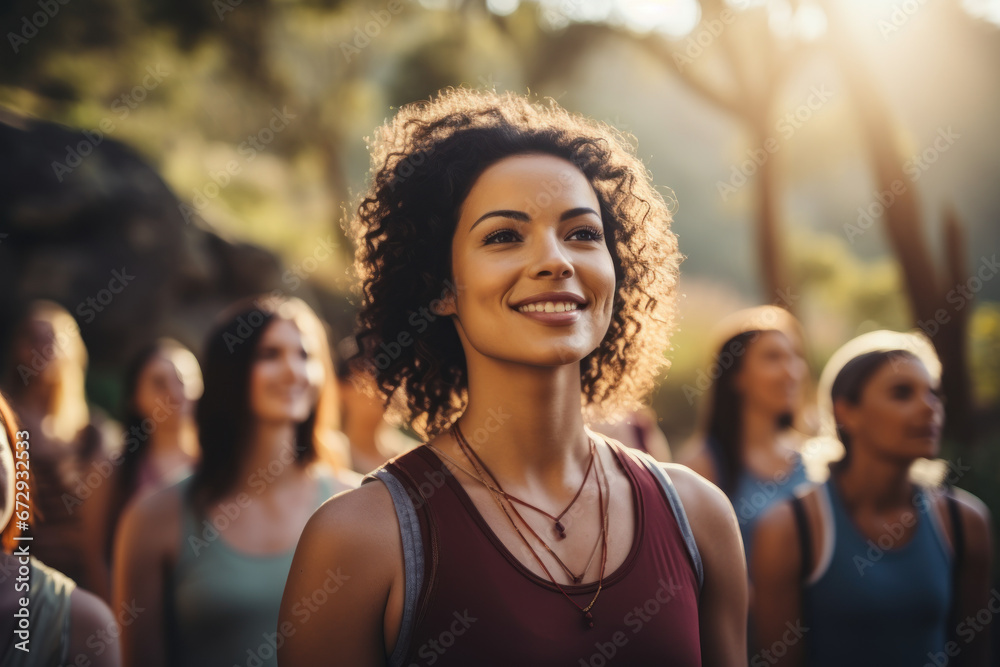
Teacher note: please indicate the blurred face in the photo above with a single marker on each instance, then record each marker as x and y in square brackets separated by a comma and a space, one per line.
[166, 390]
[899, 414]
[771, 377]
[39, 350]
[283, 381]
[358, 406]
[531, 225]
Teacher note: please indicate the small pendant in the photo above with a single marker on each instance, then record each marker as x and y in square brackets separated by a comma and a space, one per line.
[561, 530]
[577, 580]
[588, 619]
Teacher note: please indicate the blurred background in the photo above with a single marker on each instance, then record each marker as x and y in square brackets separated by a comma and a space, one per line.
[837, 158]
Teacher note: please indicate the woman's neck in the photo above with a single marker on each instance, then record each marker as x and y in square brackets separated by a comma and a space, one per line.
[271, 458]
[173, 437]
[879, 483]
[525, 422]
[760, 431]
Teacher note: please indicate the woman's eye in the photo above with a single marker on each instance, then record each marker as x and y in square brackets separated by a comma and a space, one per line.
[499, 234]
[902, 392]
[590, 233]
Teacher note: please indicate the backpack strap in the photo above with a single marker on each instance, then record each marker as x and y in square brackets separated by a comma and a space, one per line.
[805, 537]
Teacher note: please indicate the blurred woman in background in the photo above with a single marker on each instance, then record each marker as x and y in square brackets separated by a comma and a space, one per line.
[162, 383]
[72, 445]
[66, 625]
[640, 430]
[882, 567]
[207, 558]
[747, 444]
[370, 440]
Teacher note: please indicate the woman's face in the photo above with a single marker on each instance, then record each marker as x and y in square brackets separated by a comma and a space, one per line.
[281, 389]
[165, 392]
[899, 414]
[770, 379]
[39, 349]
[530, 225]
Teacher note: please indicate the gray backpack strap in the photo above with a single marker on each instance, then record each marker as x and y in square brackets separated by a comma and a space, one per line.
[413, 558]
[677, 507]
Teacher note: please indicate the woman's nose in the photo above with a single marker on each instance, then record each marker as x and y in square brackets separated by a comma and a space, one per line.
[550, 257]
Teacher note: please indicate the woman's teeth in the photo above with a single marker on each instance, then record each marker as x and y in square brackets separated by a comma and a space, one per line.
[548, 307]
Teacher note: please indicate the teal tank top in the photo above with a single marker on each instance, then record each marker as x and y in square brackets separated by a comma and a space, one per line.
[754, 495]
[223, 610]
[873, 603]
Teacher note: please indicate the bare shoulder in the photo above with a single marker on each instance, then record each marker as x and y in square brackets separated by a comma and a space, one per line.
[154, 521]
[701, 498]
[357, 529]
[93, 631]
[713, 521]
[365, 513]
[972, 507]
[975, 516]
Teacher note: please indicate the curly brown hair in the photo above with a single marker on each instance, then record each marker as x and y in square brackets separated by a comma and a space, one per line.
[425, 161]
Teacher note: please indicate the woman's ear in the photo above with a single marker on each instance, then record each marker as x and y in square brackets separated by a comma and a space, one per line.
[845, 416]
[444, 306]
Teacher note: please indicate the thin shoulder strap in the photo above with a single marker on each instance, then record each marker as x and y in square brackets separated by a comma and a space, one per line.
[958, 551]
[958, 532]
[677, 507]
[805, 537]
[413, 558]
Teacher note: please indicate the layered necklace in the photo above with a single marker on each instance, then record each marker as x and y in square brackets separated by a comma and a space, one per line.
[484, 476]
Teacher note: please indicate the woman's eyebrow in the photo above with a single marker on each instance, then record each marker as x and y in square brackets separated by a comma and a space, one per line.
[504, 213]
[523, 217]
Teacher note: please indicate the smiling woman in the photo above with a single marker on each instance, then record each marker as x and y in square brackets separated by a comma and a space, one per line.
[206, 558]
[517, 535]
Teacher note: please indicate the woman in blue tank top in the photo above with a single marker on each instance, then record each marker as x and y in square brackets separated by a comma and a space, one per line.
[862, 570]
[206, 559]
[748, 446]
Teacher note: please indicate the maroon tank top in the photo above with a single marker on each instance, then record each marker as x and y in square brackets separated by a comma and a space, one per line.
[480, 606]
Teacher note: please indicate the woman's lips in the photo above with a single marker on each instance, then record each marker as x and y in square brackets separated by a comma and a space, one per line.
[553, 318]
